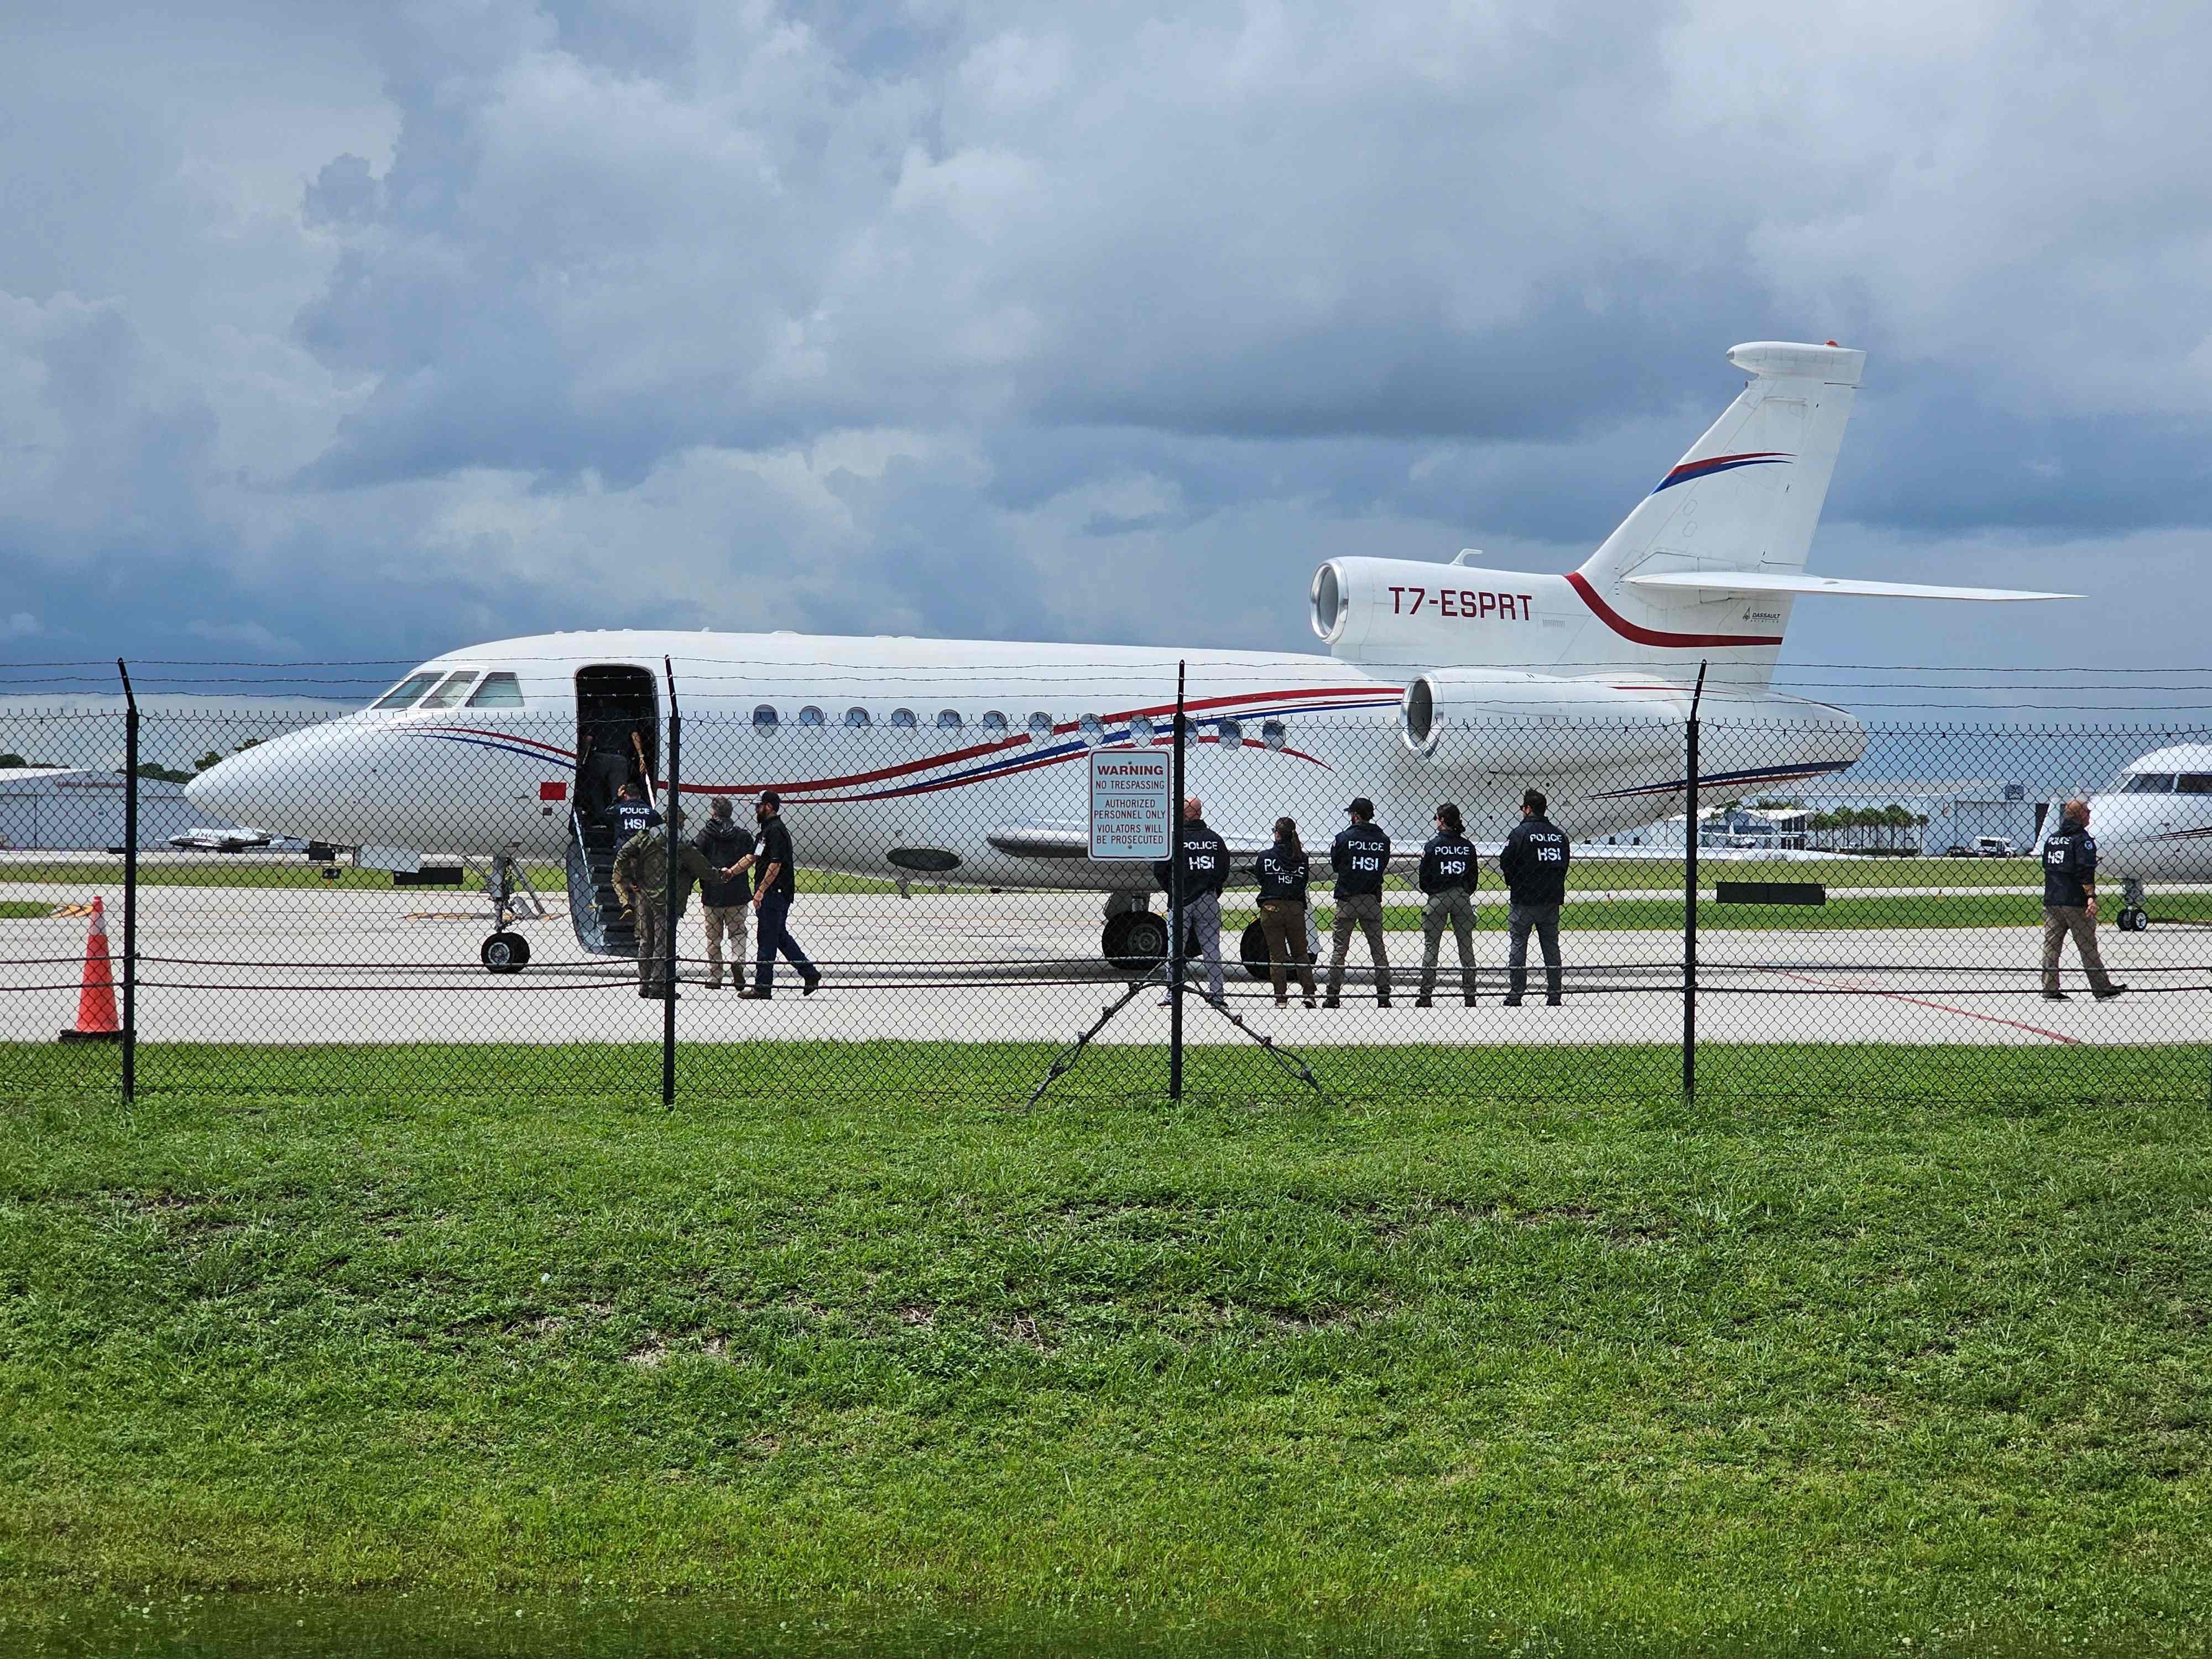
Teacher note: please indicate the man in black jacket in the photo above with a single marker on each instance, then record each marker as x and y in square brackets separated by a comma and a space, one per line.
[775, 884]
[1204, 872]
[723, 899]
[2069, 904]
[1534, 866]
[1447, 877]
[631, 814]
[600, 772]
[1361, 857]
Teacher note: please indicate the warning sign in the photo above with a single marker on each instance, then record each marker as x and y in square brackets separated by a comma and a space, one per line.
[1132, 802]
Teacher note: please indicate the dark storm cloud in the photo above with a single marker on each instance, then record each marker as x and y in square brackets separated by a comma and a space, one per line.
[392, 326]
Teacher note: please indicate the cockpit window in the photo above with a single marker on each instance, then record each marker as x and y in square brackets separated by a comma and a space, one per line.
[450, 693]
[2194, 783]
[497, 691]
[404, 694]
[2150, 783]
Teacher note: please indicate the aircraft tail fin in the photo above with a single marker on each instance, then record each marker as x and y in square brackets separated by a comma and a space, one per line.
[1745, 498]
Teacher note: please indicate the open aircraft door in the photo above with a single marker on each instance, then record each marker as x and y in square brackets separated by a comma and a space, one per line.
[619, 734]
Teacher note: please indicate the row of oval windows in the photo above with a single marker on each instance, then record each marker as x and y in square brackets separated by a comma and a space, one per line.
[1141, 728]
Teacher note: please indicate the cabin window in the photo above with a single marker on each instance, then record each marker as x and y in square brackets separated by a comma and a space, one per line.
[994, 720]
[406, 691]
[2194, 783]
[948, 720]
[497, 691]
[1230, 734]
[1140, 728]
[1274, 734]
[450, 693]
[810, 715]
[764, 717]
[903, 717]
[2151, 783]
[1093, 730]
[1040, 727]
[857, 716]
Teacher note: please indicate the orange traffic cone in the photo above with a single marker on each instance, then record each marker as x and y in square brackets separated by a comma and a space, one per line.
[95, 1003]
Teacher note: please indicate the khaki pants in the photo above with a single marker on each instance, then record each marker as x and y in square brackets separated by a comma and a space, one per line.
[734, 920]
[1456, 906]
[1284, 923]
[1365, 911]
[2058, 921]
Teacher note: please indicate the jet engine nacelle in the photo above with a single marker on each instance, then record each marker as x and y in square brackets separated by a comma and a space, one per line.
[1528, 723]
[1411, 610]
[1500, 720]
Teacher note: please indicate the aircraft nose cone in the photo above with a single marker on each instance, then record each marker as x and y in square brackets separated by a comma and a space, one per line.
[228, 789]
[258, 786]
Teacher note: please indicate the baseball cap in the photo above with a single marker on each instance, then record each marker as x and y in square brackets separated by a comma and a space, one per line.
[770, 798]
[1362, 806]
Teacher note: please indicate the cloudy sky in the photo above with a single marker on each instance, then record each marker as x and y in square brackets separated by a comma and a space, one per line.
[343, 331]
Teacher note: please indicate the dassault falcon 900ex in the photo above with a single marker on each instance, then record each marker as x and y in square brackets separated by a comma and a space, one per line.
[906, 755]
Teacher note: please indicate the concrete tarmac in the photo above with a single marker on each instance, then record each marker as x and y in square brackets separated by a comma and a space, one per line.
[222, 964]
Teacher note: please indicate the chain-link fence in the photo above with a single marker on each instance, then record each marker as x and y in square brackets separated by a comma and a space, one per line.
[469, 876]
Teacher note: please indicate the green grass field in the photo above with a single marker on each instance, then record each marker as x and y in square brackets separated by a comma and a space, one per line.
[1848, 1370]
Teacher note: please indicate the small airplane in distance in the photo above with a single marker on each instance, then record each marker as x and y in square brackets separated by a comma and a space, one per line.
[903, 756]
[201, 839]
[2153, 823]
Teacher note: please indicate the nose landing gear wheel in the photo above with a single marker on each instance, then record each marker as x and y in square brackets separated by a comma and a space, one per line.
[1136, 941]
[2133, 921]
[505, 953]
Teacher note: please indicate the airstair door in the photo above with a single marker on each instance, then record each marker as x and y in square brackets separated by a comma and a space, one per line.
[617, 738]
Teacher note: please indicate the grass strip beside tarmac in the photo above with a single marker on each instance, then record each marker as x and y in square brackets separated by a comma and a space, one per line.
[1855, 1365]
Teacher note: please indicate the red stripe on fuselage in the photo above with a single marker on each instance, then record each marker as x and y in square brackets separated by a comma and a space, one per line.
[1642, 635]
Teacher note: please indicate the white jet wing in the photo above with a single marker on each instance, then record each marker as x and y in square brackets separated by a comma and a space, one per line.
[1754, 581]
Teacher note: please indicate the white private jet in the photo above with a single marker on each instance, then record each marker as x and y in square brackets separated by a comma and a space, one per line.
[2153, 824]
[899, 757]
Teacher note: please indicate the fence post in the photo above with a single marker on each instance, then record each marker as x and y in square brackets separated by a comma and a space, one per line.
[1690, 831]
[129, 885]
[1175, 902]
[669, 894]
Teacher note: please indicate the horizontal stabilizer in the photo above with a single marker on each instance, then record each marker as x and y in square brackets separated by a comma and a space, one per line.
[1757, 581]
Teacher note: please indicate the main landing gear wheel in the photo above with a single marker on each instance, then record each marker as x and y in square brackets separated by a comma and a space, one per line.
[505, 953]
[2135, 919]
[1135, 941]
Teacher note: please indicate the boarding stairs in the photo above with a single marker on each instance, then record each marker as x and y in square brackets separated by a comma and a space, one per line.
[602, 925]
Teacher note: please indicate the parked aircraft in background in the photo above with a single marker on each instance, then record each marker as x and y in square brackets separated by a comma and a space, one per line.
[2153, 824]
[203, 839]
[900, 756]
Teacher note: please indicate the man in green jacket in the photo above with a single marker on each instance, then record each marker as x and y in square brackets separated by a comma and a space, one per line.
[642, 883]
